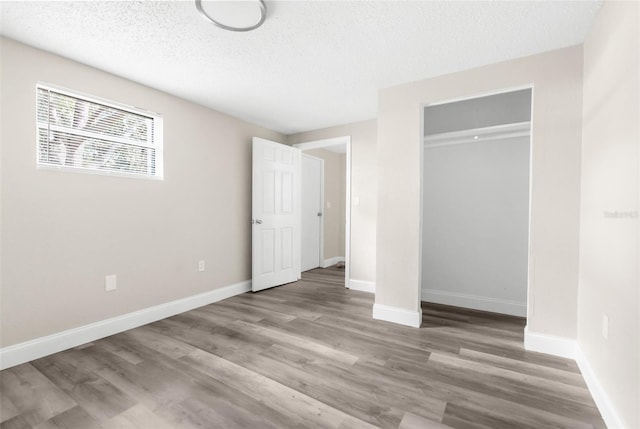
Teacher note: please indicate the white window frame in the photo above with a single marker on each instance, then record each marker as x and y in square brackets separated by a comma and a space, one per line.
[158, 141]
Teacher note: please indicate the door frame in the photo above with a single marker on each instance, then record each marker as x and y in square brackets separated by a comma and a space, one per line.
[321, 144]
[530, 261]
[321, 250]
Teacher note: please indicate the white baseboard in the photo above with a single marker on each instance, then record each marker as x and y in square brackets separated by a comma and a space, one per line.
[513, 308]
[332, 261]
[397, 315]
[568, 348]
[549, 344]
[43, 346]
[362, 285]
[600, 397]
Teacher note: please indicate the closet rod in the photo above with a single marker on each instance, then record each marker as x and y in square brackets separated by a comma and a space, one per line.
[477, 135]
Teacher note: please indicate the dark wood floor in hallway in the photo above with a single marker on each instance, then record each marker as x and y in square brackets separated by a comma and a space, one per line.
[303, 355]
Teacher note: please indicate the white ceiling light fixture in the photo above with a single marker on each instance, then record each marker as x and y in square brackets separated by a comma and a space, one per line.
[244, 15]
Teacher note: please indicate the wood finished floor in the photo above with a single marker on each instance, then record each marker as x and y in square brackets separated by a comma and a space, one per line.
[304, 355]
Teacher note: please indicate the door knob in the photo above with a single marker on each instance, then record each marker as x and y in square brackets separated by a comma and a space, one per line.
[258, 221]
[319, 213]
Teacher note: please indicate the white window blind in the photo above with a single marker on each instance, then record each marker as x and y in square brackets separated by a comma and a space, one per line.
[97, 136]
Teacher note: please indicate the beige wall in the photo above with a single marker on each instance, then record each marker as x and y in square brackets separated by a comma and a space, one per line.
[609, 281]
[363, 188]
[334, 201]
[63, 232]
[556, 132]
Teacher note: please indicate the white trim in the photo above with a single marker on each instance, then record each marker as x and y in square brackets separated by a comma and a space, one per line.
[600, 397]
[347, 214]
[397, 315]
[418, 290]
[531, 263]
[568, 348]
[503, 306]
[318, 144]
[362, 285]
[549, 344]
[43, 346]
[332, 261]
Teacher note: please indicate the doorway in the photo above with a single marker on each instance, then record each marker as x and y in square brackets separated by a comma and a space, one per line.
[335, 211]
[312, 196]
[475, 202]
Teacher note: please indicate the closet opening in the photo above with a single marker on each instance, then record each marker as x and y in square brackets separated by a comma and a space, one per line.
[475, 202]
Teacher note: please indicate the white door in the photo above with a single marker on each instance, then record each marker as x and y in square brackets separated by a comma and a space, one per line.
[312, 172]
[276, 214]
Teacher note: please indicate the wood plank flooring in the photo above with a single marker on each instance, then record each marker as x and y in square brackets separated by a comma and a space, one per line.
[303, 355]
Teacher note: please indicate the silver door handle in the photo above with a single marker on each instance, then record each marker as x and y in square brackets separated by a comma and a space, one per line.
[319, 213]
[258, 221]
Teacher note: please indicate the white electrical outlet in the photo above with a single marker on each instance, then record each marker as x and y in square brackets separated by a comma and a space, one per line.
[110, 283]
[605, 326]
[200, 266]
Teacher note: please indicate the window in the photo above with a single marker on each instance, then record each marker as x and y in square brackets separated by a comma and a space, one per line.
[96, 136]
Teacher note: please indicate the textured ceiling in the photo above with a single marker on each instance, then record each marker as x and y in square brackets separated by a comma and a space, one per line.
[312, 64]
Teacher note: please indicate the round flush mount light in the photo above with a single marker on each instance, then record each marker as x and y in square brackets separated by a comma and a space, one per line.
[239, 15]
